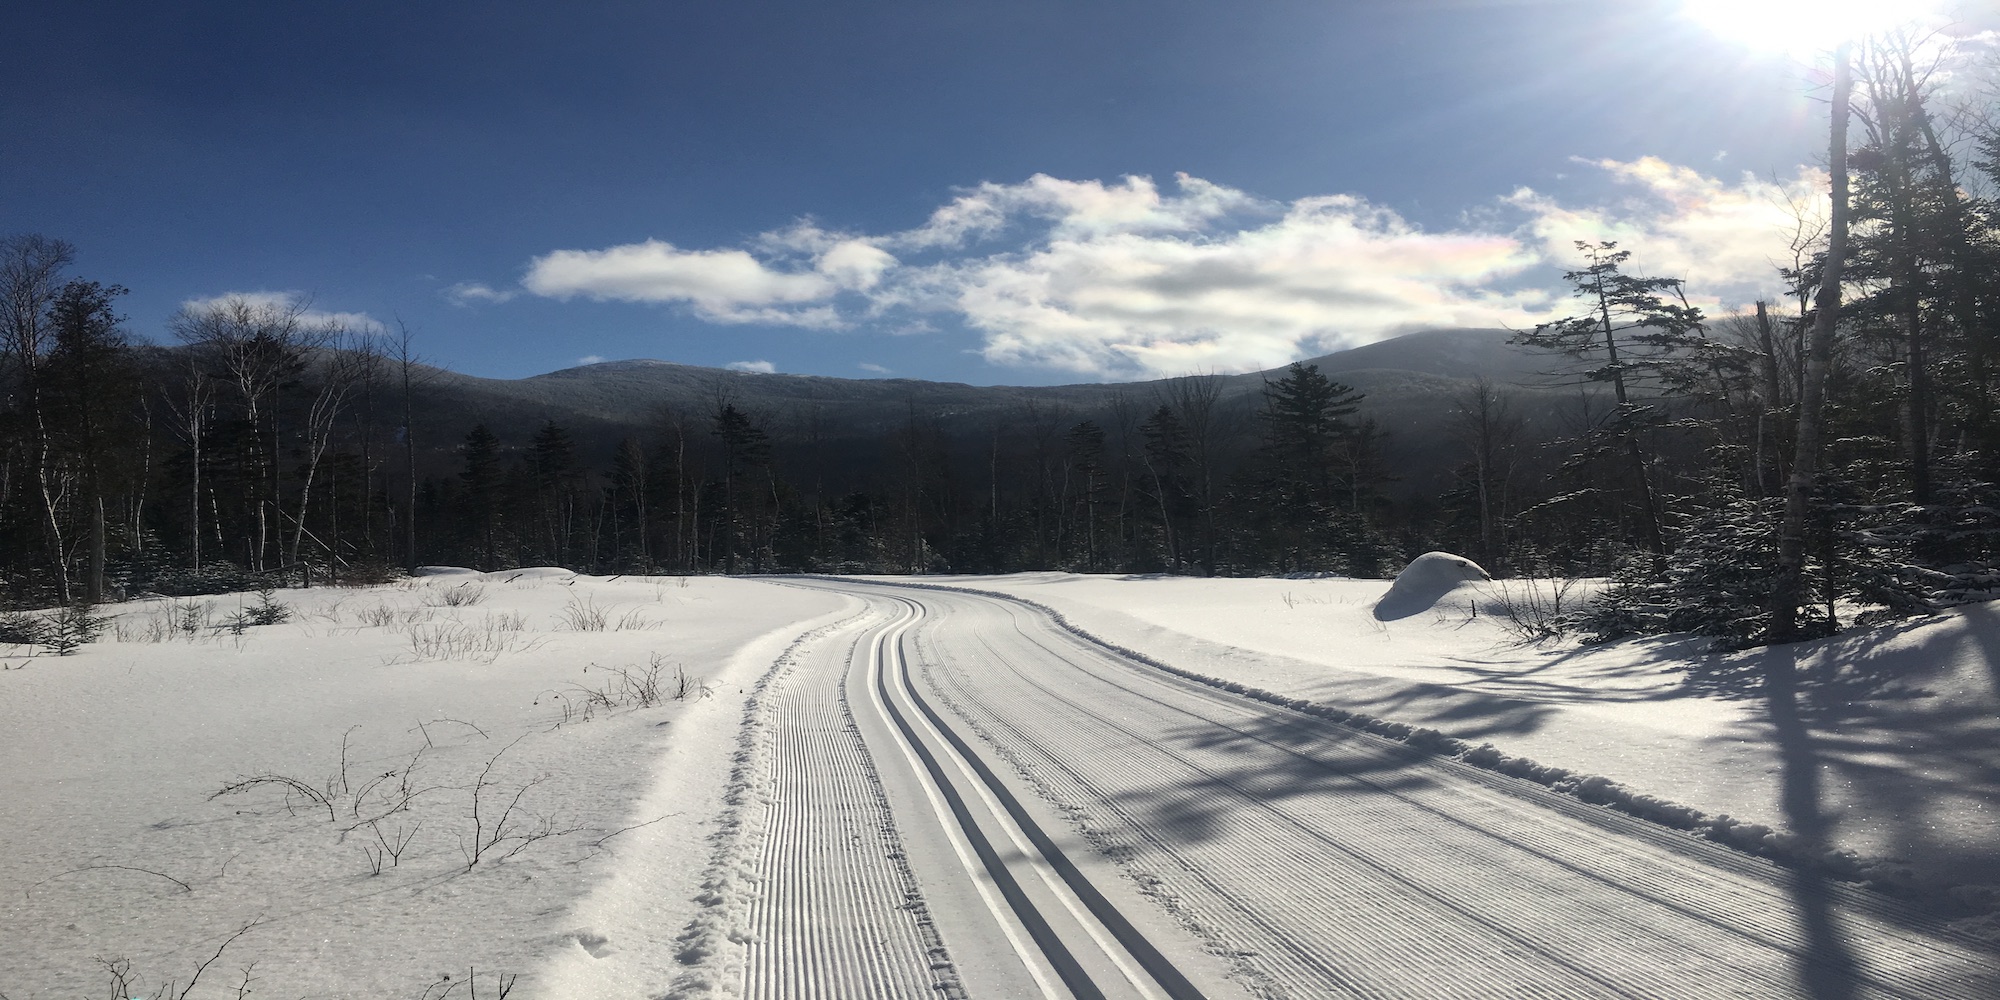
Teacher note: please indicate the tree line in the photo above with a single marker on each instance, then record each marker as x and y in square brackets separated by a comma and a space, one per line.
[267, 445]
[1756, 476]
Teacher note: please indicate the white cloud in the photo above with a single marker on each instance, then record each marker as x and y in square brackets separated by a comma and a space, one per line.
[1078, 209]
[1726, 240]
[754, 367]
[466, 293]
[296, 303]
[1129, 279]
[869, 366]
[591, 359]
[725, 286]
[1331, 272]
[855, 264]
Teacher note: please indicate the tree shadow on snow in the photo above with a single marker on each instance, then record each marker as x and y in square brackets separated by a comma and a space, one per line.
[1467, 715]
[1276, 760]
[1882, 717]
[1860, 716]
[1826, 967]
[1844, 718]
[1849, 669]
[1464, 712]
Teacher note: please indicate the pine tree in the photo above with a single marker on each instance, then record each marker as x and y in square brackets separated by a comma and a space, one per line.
[745, 447]
[556, 478]
[93, 397]
[1086, 460]
[1306, 503]
[1632, 338]
[1166, 457]
[479, 492]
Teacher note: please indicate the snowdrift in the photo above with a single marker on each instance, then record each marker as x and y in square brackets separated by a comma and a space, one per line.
[1424, 582]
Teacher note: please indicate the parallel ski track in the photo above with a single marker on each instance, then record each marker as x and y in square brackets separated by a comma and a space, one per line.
[1148, 970]
[1386, 877]
[839, 914]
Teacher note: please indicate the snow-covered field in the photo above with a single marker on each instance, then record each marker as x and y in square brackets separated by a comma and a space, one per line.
[521, 773]
[119, 850]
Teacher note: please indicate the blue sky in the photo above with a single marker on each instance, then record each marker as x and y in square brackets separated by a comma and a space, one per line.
[1018, 192]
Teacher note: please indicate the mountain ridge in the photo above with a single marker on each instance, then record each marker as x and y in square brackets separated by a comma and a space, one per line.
[1409, 386]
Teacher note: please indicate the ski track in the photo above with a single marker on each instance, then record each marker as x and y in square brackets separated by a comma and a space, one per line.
[1315, 861]
[838, 912]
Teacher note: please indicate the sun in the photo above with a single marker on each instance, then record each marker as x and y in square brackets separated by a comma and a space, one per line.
[1802, 28]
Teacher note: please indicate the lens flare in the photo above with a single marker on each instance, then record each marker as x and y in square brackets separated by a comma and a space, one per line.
[1802, 28]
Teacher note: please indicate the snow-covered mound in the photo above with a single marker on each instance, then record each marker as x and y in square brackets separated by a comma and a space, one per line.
[532, 573]
[499, 576]
[446, 571]
[1427, 578]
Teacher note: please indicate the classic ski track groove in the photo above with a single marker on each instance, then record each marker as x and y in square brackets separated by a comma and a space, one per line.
[1414, 907]
[1137, 960]
[1564, 903]
[1651, 883]
[839, 913]
[1200, 920]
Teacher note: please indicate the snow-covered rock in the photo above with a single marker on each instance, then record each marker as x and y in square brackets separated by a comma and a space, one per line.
[1423, 582]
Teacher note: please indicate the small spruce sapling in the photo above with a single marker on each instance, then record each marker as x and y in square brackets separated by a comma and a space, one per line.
[72, 627]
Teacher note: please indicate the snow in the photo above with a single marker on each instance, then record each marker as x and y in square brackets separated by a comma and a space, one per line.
[1424, 582]
[118, 851]
[1902, 721]
[612, 874]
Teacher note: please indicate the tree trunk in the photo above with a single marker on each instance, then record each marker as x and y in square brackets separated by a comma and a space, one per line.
[51, 492]
[1916, 419]
[406, 361]
[93, 587]
[194, 504]
[1649, 511]
[1773, 390]
[1786, 588]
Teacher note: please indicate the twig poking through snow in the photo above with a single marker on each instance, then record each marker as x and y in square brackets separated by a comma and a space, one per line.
[87, 868]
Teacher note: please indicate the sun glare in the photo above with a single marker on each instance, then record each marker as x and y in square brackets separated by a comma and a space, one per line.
[1802, 28]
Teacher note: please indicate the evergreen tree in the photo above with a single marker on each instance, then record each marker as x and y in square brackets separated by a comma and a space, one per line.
[93, 396]
[1167, 457]
[479, 493]
[1631, 338]
[1304, 496]
[1086, 462]
[745, 447]
[630, 507]
[556, 479]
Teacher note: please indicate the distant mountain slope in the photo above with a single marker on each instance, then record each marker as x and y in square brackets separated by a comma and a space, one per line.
[627, 391]
[1450, 353]
[1410, 384]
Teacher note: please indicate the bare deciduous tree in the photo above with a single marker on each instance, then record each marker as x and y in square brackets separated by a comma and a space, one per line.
[257, 343]
[31, 269]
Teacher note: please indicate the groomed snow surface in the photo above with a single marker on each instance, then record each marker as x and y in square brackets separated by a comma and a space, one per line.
[541, 775]
[1901, 723]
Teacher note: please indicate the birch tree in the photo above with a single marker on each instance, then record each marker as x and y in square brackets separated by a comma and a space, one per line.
[1787, 584]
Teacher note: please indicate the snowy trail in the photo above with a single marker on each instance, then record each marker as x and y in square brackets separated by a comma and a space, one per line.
[1077, 824]
[839, 913]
